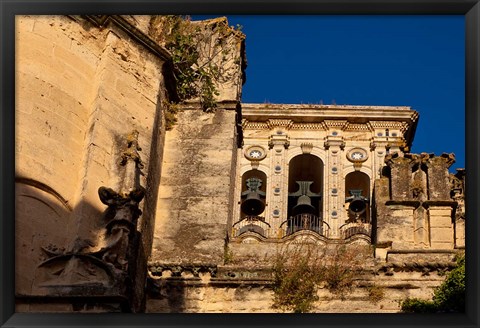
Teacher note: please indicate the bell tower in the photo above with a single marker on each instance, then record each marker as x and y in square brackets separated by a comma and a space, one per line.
[310, 169]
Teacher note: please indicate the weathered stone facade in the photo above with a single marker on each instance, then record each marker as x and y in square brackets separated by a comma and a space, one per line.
[116, 214]
[80, 146]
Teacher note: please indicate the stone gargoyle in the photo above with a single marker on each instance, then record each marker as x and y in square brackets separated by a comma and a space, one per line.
[121, 215]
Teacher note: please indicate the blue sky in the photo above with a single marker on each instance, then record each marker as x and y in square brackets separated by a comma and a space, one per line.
[416, 61]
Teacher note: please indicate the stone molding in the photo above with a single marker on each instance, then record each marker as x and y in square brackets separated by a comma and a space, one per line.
[132, 31]
[357, 127]
[308, 126]
[328, 117]
[42, 186]
[179, 270]
[278, 123]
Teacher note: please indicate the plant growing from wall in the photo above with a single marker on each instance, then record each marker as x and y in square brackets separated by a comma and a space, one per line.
[202, 56]
[448, 297]
[375, 293]
[300, 270]
[227, 255]
[343, 266]
[297, 274]
[170, 110]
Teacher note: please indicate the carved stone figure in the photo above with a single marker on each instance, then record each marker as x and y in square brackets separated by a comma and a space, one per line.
[122, 214]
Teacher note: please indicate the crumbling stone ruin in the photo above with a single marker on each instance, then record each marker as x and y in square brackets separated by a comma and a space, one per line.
[139, 189]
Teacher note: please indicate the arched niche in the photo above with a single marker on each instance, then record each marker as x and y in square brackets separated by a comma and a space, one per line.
[247, 178]
[42, 217]
[306, 170]
[357, 190]
[419, 181]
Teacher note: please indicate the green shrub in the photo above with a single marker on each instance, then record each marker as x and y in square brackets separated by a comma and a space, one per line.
[415, 305]
[448, 297]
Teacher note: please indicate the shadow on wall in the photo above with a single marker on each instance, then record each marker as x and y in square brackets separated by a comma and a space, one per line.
[167, 295]
[52, 262]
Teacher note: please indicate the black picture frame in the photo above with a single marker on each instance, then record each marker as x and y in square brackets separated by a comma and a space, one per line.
[10, 8]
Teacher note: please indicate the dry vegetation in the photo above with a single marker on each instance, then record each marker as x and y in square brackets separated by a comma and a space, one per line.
[300, 270]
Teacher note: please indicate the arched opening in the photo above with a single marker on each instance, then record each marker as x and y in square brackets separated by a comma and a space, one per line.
[305, 190]
[357, 197]
[254, 186]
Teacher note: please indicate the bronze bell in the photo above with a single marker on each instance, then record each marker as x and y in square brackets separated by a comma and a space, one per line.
[357, 206]
[253, 204]
[304, 206]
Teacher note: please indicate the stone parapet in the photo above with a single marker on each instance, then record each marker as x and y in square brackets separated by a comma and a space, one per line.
[240, 289]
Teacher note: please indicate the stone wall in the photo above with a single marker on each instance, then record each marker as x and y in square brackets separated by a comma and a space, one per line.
[90, 97]
[194, 202]
[82, 87]
[195, 199]
[232, 289]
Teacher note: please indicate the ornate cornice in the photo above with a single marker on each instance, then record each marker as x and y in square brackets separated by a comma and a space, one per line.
[405, 126]
[388, 125]
[357, 127]
[278, 123]
[364, 119]
[335, 124]
[246, 125]
[308, 126]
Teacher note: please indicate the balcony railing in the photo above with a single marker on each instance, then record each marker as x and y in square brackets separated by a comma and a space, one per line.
[354, 228]
[251, 224]
[305, 222]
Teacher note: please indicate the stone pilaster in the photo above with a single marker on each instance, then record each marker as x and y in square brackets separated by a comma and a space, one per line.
[441, 225]
[400, 176]
[438, 178]
[378, 152]
[277, 209]
[334, 195]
